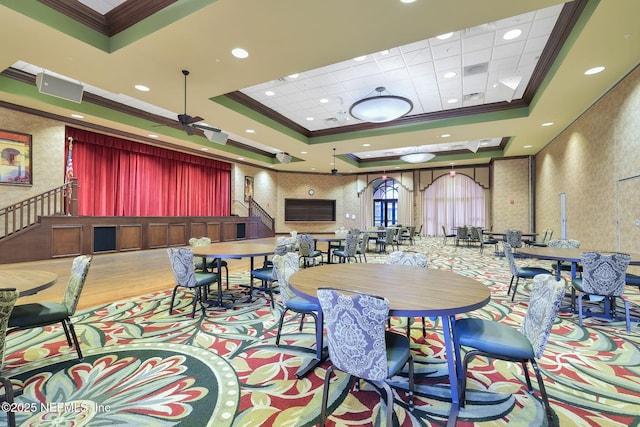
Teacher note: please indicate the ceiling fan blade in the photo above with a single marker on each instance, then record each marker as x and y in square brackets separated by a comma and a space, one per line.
[195, 119]
[189, 130]
[207, 128]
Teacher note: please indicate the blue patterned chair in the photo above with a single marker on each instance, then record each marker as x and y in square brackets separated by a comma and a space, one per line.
[564, 243]
[350, 249]
[410, 258]
[35, 315]
[307, 249]
[603, 275]
[513, 237]
[360, 346]
[8, 299]
[363, 244]
[385, 240]
[185, 276]
[518, 273]
[210, 264]
[284, 265]
[500, 341]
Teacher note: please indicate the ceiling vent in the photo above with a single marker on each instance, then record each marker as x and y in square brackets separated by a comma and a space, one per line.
[476, 96]
[472, 70]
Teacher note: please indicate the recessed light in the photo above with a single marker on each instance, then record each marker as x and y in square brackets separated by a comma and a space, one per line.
[204, 149]
[449, 75]
[77, 116]
[153, 135]
[484, 144]
[240, 53]
[594, 70]
[407, 1]
[303, 152]
[310, 119]
[366, 145]
[142, 88]
[269, 93]
[512, 34]
[360, 58]
[527, 146]
[324, 100]
[452, 100]
[250, 131]
[548, 124]
[444, 36]
[384, 52]
[240, 158]
[294, 76]
[445, 135]
[313, 169]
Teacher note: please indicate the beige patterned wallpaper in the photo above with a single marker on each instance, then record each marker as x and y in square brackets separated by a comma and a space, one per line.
[596, 163]
[510, 199]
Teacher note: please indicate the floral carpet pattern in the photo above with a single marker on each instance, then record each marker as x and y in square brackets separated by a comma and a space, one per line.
[146, 367]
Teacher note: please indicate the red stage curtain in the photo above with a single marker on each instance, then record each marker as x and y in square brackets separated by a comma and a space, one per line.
[118, 177]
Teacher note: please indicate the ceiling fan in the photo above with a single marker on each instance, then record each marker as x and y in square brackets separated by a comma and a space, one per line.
[190, 124]
[334, 171]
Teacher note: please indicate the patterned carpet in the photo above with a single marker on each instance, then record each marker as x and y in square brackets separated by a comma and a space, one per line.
[143, 366]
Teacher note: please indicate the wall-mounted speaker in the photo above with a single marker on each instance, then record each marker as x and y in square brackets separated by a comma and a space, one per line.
[217, 137]
[61, 88]
[283, 158]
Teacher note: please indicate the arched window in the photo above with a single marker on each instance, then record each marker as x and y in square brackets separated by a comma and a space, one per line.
[385, 202]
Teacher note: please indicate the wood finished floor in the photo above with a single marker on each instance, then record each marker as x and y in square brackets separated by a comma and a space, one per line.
[112, 277]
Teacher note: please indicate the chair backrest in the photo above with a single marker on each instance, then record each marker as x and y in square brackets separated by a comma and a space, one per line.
[182, 266]
[290, 242]
[508, 254]
[351, 244]
[388, 237]
[363, 241]
[462, 232]
[306, 245]
[546, 235]
[604, 274]
[514, 237]
[564, 243]
[8, 299]
[544, 303]
[475, 233]
[79, 270]
[408, 258]
[199, 241]
[284, 265]
[444, 231]
[355, 325]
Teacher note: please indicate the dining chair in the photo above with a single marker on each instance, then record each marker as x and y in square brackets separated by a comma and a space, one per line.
[307, 249]
[501, 341]
[475, 236]
[410, 258]
[418, 233]
[564, 243]
[544, 239]
[513, 237]
[350, 249]
[602, 275]
[8, 299]
[284, 265]
[385, 240]
[210, 263]
[266, 277]
[446, 235]
[462, 234]
[185, 276]
[363, 245]
[524, 272]
[488, 239]
[360, 346]
[39, 314]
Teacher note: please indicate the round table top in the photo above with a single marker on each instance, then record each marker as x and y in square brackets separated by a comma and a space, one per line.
[336, 237]
[565, 254]
[234, 249]
[27, 282]
[411, 291]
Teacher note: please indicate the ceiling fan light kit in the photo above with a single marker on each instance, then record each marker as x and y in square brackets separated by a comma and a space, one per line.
[381, 108]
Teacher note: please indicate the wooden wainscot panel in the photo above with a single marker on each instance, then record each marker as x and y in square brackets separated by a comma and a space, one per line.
[178, 234]
[213, 231]
[66, 240]
[198, 229]
[130, 237]
[228, 231]
[252, 230]
[158, 235]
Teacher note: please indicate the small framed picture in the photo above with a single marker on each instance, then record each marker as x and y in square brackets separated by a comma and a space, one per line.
[15, 158]
[248, 188]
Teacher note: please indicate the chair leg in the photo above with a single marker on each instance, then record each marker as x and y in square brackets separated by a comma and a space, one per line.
[543, 393]
[515, 288]
[626, 315]
[579, 297]
[387, 389]
[325, 396]
[72, 332]
[173, 298]
[510, 284]
[8, 392]
[66, 333]
[226, 268]
[424, 328]
[280, 326]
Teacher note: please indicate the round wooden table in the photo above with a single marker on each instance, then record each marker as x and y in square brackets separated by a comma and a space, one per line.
[235, 250]
[27, 282]
[411, 291]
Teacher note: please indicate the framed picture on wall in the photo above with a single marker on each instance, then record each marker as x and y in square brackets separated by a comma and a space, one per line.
[15, 158]
[248, 188]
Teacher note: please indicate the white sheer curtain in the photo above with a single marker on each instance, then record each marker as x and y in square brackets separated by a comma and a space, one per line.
[405, 206]
[452, 202]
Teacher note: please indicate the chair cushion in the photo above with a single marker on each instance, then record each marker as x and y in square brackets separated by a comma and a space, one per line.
[632, 279]
[263, 273]
[530, 272]
[494, 338]
[25, 315]
[398, 349]
[205, 278]
[297, 303]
